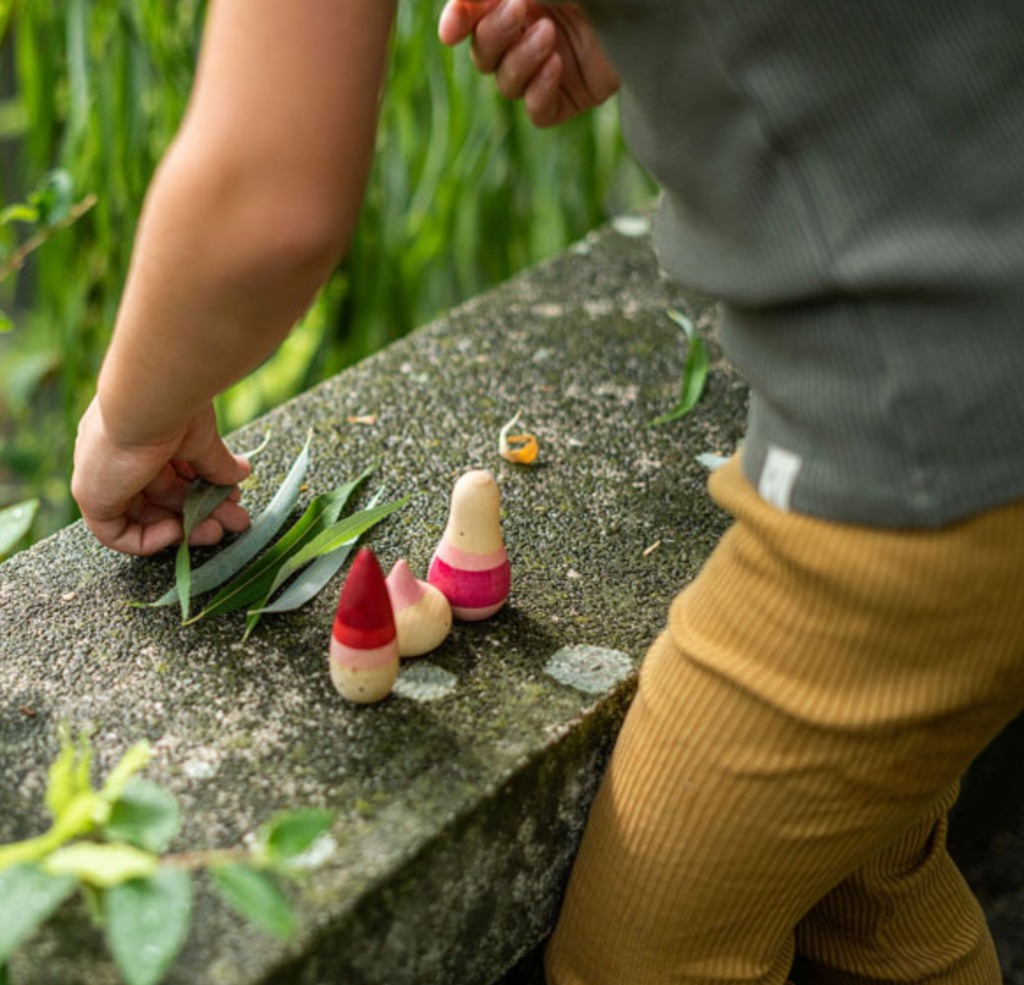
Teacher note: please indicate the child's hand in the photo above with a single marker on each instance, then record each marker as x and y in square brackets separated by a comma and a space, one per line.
[546, 55]
[131, 494]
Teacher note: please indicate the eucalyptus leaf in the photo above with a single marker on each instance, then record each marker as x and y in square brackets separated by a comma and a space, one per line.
[224, 564]
[27, 897]
[256, 896]
[147, 923]
[253, 583]
[15, 522]
[335, 536]
[309, 582]
[145, 815]
[201, 499]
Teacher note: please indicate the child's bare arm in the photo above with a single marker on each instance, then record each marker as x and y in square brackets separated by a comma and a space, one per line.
[249, 211]
[546, 55]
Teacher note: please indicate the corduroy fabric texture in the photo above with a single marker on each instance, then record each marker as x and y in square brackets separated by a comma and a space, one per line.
[781, 782]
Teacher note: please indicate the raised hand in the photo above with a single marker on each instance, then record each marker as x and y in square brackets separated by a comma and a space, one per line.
[548, 56]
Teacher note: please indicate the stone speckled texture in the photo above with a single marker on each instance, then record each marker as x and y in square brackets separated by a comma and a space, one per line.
[461, 798]
[458, 810]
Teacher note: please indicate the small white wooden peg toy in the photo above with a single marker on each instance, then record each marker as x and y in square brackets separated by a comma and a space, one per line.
[470, 565]
[364, 641]
[423, 616]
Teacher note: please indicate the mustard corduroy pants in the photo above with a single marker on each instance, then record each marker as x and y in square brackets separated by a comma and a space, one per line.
[781, 782]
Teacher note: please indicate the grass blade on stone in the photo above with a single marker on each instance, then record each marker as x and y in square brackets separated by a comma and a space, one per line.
[201, 499]
[695, 371]
[235, 556]
[335, 536]
[252, 583]
[309, 582]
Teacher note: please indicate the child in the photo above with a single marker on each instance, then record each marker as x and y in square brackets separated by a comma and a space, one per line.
[847, 179]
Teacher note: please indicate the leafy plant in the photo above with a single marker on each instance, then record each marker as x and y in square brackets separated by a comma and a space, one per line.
[111, 844]
[695, 371]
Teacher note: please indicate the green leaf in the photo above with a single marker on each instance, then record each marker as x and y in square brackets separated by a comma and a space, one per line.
[15, 522]
[147, 923]
[61, 783]
[234, 557]
[6, 325]
[201, 500]
[27, 897]
[100, 865]
[256, 896]
[145, 815]
[136, 758]
[252, 583]
[53, 198]
[335, 536]
[308, 583]
[18, 212]
[4, 977]
[290, 833]
[695, 375]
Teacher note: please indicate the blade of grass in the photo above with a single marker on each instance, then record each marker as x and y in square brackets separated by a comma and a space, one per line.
[695, 371]
[309, 582]
[201, 500]
[235, 556]
[251, 583]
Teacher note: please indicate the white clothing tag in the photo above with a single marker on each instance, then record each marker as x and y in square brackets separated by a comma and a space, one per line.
[778, 476]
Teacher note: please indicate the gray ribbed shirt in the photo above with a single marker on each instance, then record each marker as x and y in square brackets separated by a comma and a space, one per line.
[848, 178]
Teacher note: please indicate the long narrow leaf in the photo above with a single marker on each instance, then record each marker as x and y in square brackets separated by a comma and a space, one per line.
[235, 556]
[252, 583]
[334, 537]
[309, 582]
[201, 500]
[695, 374]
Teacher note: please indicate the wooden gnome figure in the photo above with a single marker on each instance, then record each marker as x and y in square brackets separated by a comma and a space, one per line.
[423, 616]
[364, 642]
[470, 565]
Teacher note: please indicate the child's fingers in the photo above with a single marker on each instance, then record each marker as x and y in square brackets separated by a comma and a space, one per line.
[460, 17]
[131, 536]
[497, 33]
[519, 66]
[232, 517]
[543, 97]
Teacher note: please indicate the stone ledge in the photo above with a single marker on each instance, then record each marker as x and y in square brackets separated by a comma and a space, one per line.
[459, 810]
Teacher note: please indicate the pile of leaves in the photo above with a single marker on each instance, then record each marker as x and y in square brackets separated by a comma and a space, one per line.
[109, 844]
[308, 555]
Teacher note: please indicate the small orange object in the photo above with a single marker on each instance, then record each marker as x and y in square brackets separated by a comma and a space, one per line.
[520, 448]
[366, 419]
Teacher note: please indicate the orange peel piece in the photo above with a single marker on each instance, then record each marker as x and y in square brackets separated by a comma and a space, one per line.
[520, 448]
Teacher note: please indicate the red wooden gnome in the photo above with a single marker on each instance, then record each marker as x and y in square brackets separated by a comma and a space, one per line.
[470, 565]
[364, 643]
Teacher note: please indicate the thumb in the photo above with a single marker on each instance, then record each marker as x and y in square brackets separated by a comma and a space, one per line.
[460, 17]
[215, 463]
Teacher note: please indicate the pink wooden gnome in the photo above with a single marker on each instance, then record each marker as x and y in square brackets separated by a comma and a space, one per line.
[470, 565]
[364, 642]
[423, 616]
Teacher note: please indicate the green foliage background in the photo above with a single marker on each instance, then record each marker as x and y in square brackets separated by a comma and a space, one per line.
[463, 193]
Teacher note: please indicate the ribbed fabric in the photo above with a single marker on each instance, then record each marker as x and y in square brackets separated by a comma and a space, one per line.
[781, 781]
[848, 178]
